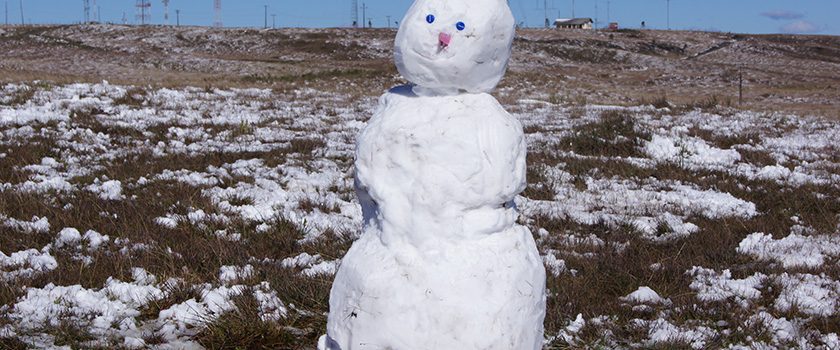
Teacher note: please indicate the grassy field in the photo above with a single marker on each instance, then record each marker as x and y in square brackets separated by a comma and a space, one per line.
[203, 196]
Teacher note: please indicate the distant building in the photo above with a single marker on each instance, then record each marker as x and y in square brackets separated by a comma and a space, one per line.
[613, 26]
[574, 23]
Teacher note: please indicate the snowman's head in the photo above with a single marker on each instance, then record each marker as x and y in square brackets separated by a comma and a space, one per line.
[455, 44]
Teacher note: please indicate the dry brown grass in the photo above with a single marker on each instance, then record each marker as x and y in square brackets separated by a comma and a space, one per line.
[615, 134]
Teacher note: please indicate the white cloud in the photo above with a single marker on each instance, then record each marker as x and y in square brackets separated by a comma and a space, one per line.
[801, 27]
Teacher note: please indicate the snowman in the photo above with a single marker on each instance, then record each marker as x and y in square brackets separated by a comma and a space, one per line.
[441, 263]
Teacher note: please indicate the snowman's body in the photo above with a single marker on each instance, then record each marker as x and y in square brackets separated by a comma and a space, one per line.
[441, 263]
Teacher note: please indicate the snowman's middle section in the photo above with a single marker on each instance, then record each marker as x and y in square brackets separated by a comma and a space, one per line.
[432, 169]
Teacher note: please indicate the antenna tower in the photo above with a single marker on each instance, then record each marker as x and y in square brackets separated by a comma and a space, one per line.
[87, 10]
[354, 13]
[165, 11]
[144, 12]
[217, 11]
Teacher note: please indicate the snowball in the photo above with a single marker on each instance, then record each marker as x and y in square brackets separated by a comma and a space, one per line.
[109, 190]
[95, 239]
[645, 295]
[476, 56]
[68, 236]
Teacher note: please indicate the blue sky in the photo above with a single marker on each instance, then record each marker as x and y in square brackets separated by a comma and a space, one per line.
[744, 16]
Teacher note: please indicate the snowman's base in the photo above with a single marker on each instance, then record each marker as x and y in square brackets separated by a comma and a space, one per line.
[478, 294]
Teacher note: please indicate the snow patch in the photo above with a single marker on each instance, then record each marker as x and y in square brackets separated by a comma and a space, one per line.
[715, 287]
[792, 251]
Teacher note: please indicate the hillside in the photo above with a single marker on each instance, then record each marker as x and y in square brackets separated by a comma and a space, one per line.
[193, 188]
[781, 72]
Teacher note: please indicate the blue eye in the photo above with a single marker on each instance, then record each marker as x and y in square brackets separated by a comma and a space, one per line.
[460, 25]
[430, 19]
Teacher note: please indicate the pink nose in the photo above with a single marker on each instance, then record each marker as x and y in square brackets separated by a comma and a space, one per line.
[444, 39]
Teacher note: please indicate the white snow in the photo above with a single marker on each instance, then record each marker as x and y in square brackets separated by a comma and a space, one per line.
[95, 239]
[712, 286]
[36, 225]
[792, 251]
[645, 295]
[322, 268]
[228, 274]
[569, 333]
[302, 260]
[779, 284]
[26, 263]
[661, 331]
[690, 152]
[68, 237]
[809, 294]
[108, 190]
[555, 265]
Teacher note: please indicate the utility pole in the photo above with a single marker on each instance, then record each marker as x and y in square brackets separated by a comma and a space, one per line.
[596, 14]
[273, 21]
[7, 12]
[217, 17]
[364, 13]
[546, 9]
[265, 14]
[177, 18]
[545, 12]
[740, 85]
[354, 13]
[22, 22]
[389, 21]
[669, 13]
[609, 20]
[573, 8]
[87, 11]
[165, 12]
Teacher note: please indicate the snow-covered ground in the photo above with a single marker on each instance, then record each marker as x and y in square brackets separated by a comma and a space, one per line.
[115, 200]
